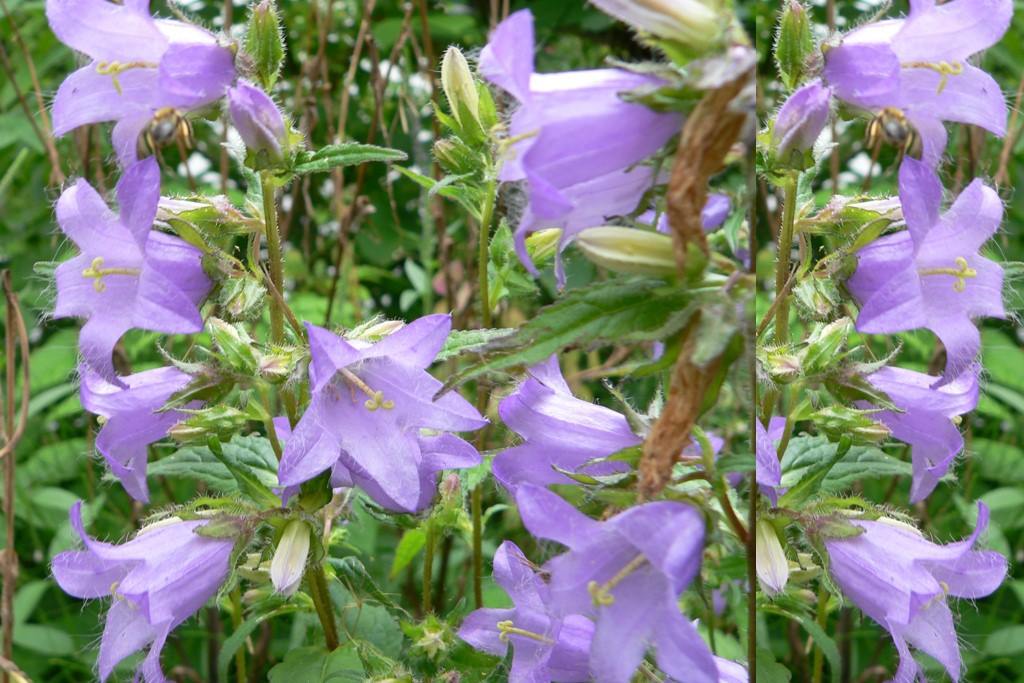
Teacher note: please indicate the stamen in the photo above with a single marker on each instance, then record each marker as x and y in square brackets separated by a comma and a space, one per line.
[114, 69]
[945, 70]
[962, 272]
[601, 593]
[97, 272]
[507, 628]
[376, 398]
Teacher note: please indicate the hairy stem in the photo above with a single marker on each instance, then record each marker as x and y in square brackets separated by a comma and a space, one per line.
[236, 620]
[819, 654]
[275, 264]
[782, 264]
[322, 601]
[428, 568]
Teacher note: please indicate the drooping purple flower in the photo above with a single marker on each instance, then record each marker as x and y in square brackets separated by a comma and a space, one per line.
[927, 421]
[546, 646]
[768, 470]
[258, 120]
[138, 65]
[932, 275]
[577, 142]
[369, 403]
[920, 66]
[132, 421]
[901, 580]
[801, 119]
[626, 572]
[126, 274]
[157, 580]
[559, 431]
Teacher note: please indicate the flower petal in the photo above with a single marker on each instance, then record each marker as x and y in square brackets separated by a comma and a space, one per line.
[138, 192]
[416, 344]
[972, 97]
[547, 515]
[669, 534]
[328, 354]
[507, 59]
[920, 197]
[480, 629]
[513, 572]
[194, 75]
[87, 97]
[84, 575]
[953, 30]
[866, 75]
[311, 448]
[126, 632]
[680, 650]
[105, 30]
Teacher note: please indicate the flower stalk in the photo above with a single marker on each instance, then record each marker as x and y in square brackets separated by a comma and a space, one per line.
[317, 581]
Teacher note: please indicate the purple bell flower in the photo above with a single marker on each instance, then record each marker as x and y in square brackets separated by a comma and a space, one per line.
[768, 470]
[626, 572]
[901, 580]
[559, 430]
[157, 580]
[926, 422]
[127, 275]
[546, 646]
[132, 420]
[920, 66]
[575, 140]
[932, 275]
[138, 65]
[258, 120]
[369, 403]
[801, 119]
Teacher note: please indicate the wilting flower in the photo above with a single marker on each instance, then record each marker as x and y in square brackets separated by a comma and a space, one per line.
[927, 419]
[692, 23]
[369, 403]
[258, 120]
[574, 140]
[627, 572]
[769, 472]
[131, 419]
[559, 431]
[127, 275]
[932, 275]
[801, 119]
[139, 66]
[901, 580]
[157, 581]
[546, 646]
[920, 66]
[289, 563]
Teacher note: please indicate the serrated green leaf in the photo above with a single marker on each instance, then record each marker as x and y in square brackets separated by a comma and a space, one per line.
[344, 154]
[317, 665]
[252, 454]
[804, 453]
[463, 341]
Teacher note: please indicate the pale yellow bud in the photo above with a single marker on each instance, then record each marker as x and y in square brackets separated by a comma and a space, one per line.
[772, 566]
[289, 563]
[458, 84]
[628, 250]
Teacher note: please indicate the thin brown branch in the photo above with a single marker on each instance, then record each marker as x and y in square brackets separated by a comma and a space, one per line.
[56, 174]
[1012, 135]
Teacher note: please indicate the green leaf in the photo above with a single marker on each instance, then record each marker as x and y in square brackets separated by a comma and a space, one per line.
[408, 548]
[1005, 642]
[248, 482]
[47, 640]
[344, 154]
[768, 670]
[317, 665]
[250, 454]
[464, 341]
[231, 644]
[999, 462]
[805, 453]
[617, 311]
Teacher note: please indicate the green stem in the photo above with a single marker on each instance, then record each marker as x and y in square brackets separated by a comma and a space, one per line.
[782, 266]
[428, 568]
[819, 654]
[476, 496]
[236, 620]
[276, 266]
[322, 602]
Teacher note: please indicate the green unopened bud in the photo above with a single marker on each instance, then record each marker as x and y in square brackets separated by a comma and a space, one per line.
[696, 25]
[242, 298]
[236, 346]
[795, 43]
[264, 42]
[858, 425]
[782, 365]
[772, 565]
[459, 87]
[457, 157]
[628, 250]
[543, 244]
[824, 345]
[289, 563]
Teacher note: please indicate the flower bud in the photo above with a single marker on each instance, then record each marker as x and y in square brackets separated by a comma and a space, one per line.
[693, 23]
[801, 120]
[628, 250]
[772, 566]
[264, 42]
[289, 563]
[824, 345]
[258, 121]
[543, 244]
[459, 86]
[795, 43]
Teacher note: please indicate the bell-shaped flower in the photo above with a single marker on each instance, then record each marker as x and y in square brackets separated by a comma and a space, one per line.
[801, 119]
[546, 646]
[921, 67]
[627, 573]
[574, 139]
[258, 121]
[126, 274]
[928, 419]
[768, 471]
[560, 432]
[156, 581]
[133, 419]
[932, 275]
[369, 405]
[138, 67]
[901, 580]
